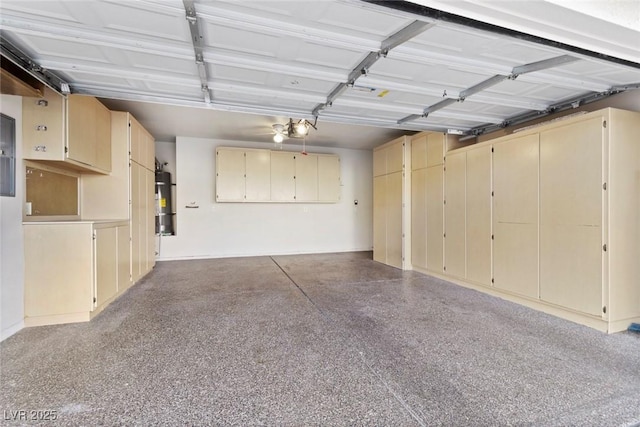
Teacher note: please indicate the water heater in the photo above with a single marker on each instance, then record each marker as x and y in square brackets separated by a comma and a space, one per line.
[164, 214]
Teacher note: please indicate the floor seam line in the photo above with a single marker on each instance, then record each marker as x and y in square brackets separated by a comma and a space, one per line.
[300, 289]
[395, 395]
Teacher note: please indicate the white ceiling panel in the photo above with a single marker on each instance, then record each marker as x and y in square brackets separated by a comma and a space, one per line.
[340, 61]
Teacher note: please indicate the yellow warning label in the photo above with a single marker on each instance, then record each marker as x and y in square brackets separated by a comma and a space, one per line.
[163, 203]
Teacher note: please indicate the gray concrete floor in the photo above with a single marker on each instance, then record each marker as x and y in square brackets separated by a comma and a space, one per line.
[333, 339]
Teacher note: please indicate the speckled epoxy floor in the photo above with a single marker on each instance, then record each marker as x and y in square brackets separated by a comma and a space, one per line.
[331, 339]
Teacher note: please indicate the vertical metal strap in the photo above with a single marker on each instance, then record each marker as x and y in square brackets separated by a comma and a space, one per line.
[198, 47]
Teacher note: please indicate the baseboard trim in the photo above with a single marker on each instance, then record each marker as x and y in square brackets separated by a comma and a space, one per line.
[241, 255]
[7, 332]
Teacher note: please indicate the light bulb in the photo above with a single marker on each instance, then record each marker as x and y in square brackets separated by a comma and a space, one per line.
[278, 138]
[302, 128]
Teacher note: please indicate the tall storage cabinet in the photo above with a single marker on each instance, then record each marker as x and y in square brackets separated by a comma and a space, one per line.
[128, 193]
[427, 201]
[548, 217]
[515, 215]
[391, 195]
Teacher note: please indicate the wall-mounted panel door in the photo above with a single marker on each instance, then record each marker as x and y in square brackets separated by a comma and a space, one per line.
[328, 178]
[306, 178]
[258, 175]
[571, 216]
[230, 171]
[479, 215]
[283, 171]
[393, 201]
[435, 218]
[419, 218]
[515, 219]
[380, 218]
[455, 213]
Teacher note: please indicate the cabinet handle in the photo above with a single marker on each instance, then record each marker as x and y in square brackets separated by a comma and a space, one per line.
[42, 148]
[42, 128]
[43, 103]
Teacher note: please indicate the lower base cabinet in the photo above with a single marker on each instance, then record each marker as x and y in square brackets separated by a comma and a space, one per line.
[75, 269]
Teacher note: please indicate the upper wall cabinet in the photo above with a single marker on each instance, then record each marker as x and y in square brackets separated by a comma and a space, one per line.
[257, 175]
[75, 131]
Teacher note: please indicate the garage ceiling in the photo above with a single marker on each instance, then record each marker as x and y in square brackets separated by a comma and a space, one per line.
[368, 72]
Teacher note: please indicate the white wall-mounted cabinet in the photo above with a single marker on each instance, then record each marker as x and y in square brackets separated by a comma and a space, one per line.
[74, 269]
[391, 212]
[548, 217]
[258, 175]
[72, 131]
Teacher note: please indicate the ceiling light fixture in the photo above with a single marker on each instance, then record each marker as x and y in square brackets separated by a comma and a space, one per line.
[292, 129]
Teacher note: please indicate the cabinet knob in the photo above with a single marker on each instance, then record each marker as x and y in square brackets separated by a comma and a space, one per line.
[43, 103]
[42, 128]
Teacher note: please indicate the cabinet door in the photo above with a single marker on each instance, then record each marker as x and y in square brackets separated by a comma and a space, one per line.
[571, 216]
[135, 140]
[81, 130]
[328, 178]
[419, 152]
[395, 156]
[43, 121]
[380, 162]
[435, 214]
[306, 178]
[435, 149]
[150, 221]
[455, 213]
[393, 208]
[380, 218]
[515, 207]
[283, 170]
[137, 218]
[150, 151]
[419, 217]
[103, 137]
[106, 265]
[59, 278]
[479, 215]
[230, 171]
[124, 257]
[258, 175]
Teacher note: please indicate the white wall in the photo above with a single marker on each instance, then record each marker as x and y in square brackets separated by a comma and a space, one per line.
[248, 229]
[11, 242]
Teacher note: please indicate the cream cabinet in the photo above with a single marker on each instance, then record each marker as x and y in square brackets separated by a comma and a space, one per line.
[283, 177]
[328, 178]
[128, 192]
[435, 218]
[75, 269]
[391, 212]
[478, 215]
[427, 201]
[72, 131]
[552, 218]
[515, 215]
[258, 175]
[455, 244]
